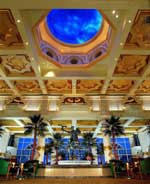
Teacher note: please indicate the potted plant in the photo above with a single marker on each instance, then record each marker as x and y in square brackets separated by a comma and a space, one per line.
[89, 141]
[37, 126]
[61, 155]
[48, 150]
[57, 140]
[100, 151]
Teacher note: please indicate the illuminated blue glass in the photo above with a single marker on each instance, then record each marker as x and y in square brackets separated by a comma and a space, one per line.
[74, 26]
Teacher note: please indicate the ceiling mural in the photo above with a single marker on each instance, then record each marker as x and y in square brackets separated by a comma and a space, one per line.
[30, 86]
[59, 86]
[16, 65]
[131, 65]
[144, 87]
[9, 35]
[86, 50]
[4, 87]
[120, 86]
[89, 86]
[139, 36]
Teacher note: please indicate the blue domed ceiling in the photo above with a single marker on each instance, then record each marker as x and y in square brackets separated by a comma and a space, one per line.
[73, 37]
[74, 26]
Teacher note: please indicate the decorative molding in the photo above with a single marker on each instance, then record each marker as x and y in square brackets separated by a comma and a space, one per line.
[9, 34]
[139, 36]
[132, 65]
[27, 86]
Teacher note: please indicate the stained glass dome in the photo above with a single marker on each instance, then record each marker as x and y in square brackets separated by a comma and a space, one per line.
[74, 26]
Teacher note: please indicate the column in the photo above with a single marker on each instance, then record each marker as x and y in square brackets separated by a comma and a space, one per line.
[40, 149]
[4, 143]
[107, 148]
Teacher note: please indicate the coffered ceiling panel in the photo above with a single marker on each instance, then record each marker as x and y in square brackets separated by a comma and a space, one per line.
[87, 122]
[8, 123]
[14, 129]
[132, 65]
[87, 129]
[120, 86]
[4, 87]
[89, 86]
[60, 122]
[144, 87]
[132, 129]
[138, 36]
[16, 65]
[59, 86]
[9, 34]
[30, 86]
[139, 122]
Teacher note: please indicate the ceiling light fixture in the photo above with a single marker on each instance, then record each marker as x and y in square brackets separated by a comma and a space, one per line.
[18, 21]
[26, 43]
[121, 43]
[129, 21]
[50, 74]
[113, 12]
[117, 16]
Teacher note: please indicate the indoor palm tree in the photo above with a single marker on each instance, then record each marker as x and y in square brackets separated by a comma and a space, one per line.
[89, 141]
[113, 128]
[1, 131]
[57, 143]
[37, 126]
[48, 150]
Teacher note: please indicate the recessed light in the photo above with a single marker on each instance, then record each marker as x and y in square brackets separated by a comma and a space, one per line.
[18, 20]
[121, 43]
[117, 16]
[26, 43]
[129, 21]
[50, 74]
[113, 12]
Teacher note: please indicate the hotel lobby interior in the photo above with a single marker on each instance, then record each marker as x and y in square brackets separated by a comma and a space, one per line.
[75, 91]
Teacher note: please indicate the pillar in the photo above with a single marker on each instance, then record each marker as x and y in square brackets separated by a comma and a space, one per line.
[107, 148]
[40, 149]
[4, 143]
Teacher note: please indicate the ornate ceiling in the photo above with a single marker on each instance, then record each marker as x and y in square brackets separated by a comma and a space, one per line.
[43, 72]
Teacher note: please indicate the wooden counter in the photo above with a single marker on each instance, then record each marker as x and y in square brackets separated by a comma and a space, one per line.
[75, 172]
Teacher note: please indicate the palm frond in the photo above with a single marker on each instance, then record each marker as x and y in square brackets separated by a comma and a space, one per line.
[113, 126]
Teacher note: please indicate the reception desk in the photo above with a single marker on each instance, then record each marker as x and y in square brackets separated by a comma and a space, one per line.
[74, 162]
[75, 171]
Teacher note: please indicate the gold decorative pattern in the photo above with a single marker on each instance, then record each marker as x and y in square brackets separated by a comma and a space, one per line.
[60, 122]
[132, 129]
[59, 86]
[89, 86]
[8, 122]
[16, 65]
[131, 64]
[87, 123]
[144, 87]
[4, 87]
[120, 86]
[87, 129]
[27, 86]
[139, 36]
[9, 35]
[139, 122]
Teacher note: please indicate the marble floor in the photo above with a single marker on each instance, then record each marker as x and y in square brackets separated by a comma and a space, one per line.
[76, 181]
